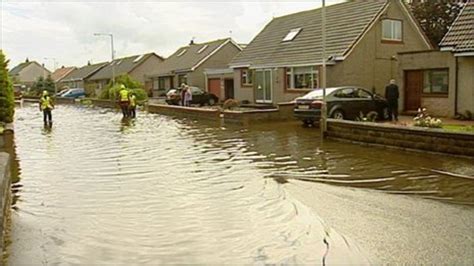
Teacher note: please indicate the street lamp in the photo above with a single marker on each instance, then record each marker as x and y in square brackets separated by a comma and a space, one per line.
[324, 114]
[113, 52]
[54, 69]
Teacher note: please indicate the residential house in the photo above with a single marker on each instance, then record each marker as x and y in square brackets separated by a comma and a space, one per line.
[137, 66]
[442, 80]
[77, 77]
[188, 63]
[363, 39]
[60, 73]
[25, 74]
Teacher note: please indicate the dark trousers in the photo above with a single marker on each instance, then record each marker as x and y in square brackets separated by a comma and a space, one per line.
[124, 108]
[47, 115]
[393, 109]
[133, 111]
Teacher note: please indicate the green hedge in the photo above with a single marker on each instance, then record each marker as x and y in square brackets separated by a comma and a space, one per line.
[7, 98]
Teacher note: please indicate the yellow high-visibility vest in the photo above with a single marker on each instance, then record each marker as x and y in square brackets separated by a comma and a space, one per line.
[46, 102]
[133, 101]
[124, 95]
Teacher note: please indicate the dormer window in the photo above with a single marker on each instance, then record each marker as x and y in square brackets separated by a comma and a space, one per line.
[291, 35]
[203, 48]
[392, 30]
[182, 52]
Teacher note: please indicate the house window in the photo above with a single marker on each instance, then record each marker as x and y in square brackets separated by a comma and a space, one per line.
[182, 79]
[435, 81]
[392, 30]
[182, 52]
[302, 78]
[291, 35]
[161, 84]
[203, 48]
[247, 77]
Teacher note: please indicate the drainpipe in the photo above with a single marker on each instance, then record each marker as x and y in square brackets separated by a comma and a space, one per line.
[456, 87]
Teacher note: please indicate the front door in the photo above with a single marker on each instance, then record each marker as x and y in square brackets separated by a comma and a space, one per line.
[229, 88]
[214, 87]
[413, 89]
[263, 80]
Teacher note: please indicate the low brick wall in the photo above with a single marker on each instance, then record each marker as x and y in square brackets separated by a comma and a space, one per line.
[181, 111]
[5, 182]
[409, 138]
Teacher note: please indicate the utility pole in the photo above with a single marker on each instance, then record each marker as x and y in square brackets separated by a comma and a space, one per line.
[113, 52]
[323, 124]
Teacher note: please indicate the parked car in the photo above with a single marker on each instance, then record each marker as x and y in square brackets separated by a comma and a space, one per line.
[73, 93]
[200, 97]
[342, 103]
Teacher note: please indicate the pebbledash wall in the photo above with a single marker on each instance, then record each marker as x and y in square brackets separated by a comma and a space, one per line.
[407, 138]
[5, 179]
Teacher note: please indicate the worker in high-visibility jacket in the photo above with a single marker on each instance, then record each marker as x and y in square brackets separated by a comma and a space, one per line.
[124, 101]
[46, 105]
[133, 105]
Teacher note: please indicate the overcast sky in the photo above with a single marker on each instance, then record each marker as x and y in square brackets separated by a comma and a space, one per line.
[64, 30]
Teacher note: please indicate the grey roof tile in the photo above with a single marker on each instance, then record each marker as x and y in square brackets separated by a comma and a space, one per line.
[461, 34]
[83, 72]
[345, 23]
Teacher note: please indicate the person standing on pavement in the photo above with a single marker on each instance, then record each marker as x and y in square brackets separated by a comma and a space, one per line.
[46, 106]
[182, 94]
[124, 101]
[392, 95]
[188, 96]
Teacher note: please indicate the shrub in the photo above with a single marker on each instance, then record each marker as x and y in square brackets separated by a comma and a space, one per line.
[230, 103]
[7, 98]
[112, 92]
[423, 119]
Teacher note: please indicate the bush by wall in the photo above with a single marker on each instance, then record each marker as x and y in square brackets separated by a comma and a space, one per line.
[112, 92]
[7, 99]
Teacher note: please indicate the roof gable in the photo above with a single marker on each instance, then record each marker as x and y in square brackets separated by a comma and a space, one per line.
[187, 58]
[345, 24]
[460, 36]
[17, 69]
[122, 66]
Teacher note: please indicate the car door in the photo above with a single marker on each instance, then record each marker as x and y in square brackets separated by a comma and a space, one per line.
[365, 100]
[344, 100]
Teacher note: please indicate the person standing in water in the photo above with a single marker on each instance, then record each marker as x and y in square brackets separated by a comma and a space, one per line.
[46, 106]
[133, 105]
[124, 101]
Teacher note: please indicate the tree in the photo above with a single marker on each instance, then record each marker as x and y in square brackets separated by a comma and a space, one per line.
[7, 98]
[132, 85]
[42, 84]
[435, 17]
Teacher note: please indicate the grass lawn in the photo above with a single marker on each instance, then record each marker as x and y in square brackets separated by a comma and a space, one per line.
[458, 128]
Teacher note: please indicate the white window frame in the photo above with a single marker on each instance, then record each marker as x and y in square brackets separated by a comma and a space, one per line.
[291, 35]
[245, 73]
[203, 48]
[291, 71]
[393, 31]
[182, 52]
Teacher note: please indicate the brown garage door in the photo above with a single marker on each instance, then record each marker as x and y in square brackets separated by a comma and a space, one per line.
[413, 89]
[214, 87]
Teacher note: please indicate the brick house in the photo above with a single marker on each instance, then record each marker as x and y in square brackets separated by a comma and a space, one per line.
[363, 39]
[26, 73]
[137, 66]
[442, 80]
[188, 64]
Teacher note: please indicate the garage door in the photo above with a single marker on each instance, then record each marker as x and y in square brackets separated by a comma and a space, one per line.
[214, 87]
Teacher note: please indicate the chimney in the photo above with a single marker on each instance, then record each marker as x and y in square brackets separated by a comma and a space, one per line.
[27, 60]
[192, 41]
[88, 62]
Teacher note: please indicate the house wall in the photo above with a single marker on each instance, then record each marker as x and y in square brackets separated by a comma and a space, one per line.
[220, 59]
[435, 104]
[149, 66]
[32, 72]
[242, 93]
[466, 84]
[373, 62]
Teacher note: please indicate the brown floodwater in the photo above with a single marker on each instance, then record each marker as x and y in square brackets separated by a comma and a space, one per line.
[97, 190]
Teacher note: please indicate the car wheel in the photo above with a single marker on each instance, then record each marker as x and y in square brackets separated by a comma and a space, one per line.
[338, 114]
[212, 101]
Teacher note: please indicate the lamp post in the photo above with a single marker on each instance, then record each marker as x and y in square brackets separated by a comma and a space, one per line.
[113, 52]
[54, 69]
[324, 114]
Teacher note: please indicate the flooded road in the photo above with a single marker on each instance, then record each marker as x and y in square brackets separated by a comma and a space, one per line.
[93, 190]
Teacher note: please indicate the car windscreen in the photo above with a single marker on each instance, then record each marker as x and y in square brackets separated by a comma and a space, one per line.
[318, 93]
